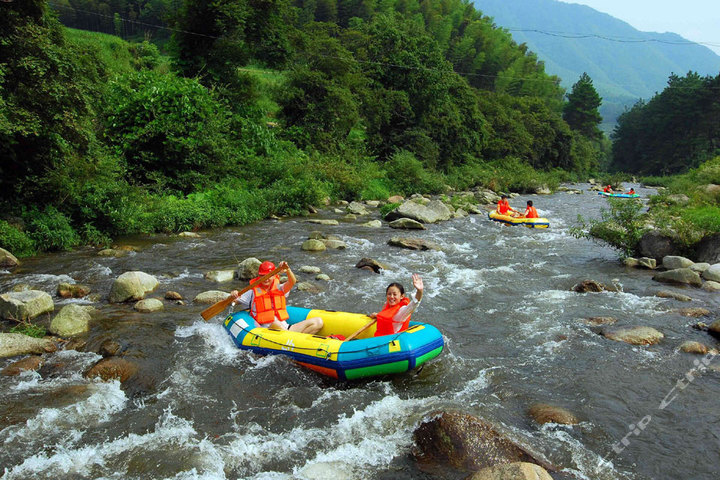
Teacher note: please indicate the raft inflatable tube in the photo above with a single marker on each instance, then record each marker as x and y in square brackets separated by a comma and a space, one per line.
[619, 195]
[364, 356]
[525, 222]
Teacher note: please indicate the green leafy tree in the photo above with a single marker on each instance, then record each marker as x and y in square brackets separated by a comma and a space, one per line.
[170, 131]
[581, 110]
[46, 117]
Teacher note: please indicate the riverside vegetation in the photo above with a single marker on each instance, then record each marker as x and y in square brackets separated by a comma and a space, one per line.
[251, 111]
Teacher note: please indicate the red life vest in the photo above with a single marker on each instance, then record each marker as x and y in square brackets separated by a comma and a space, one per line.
[269, 304]
[503, 207]
[530, 212]
[384, 318]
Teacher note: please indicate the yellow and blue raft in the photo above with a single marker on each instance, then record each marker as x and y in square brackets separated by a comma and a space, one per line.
[525, 222]
[364, 356]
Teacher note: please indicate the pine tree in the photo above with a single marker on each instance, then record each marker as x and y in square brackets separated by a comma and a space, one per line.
[581, 110]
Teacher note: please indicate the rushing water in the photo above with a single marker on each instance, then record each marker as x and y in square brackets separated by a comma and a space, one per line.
[202, 409]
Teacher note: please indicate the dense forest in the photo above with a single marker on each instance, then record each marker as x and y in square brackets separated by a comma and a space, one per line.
[192, 114]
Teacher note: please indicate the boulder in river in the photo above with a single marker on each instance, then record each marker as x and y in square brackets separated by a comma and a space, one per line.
[111, 368]
[679, 275]
[132, 286]
[512, 471]
[434, 211]
[14, 344]
[655, 245]
[671, 262]
[72, 290]
[634, 335]
[7, 259]
[248, 268]
[690, 346]
[708, 249]
[72, 320]
[673, 295]
[544, 413]
[220, 276]
[149, 305]
[589, 286]
[25, 305]
[370, 264]
[466, 442]
[413, 243]
[712, 273]
[210, 297]
[407, 223]
[32, 362]
[313, 245]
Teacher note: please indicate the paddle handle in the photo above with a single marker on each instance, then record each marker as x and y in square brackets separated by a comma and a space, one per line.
[218, 307]
[368, 325]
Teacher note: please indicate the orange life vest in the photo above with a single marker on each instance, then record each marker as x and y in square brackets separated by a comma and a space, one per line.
[384, 318]
[530, 212]
[503, 207]
[269, 304]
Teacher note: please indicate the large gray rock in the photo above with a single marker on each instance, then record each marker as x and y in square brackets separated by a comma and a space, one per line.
[25, 305]
[544, 413]
[679, 275]
[407, 223]
[357, 208]
[7, 259]
[671, 262]
[413, 243]
[210, 297]
[655, 245]
[149, 305]
[132, 286]
[486, 197]
[14, 344]
[248, 268]
[712, 273]
[220, 276]
[433, 212]
[71, 320]
[708, 249]
[313, 245]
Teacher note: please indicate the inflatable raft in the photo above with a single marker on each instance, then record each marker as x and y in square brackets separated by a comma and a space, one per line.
[364, 356]
[619, 195]
[525, 222]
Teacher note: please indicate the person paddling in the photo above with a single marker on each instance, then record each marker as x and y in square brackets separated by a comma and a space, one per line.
[608, 189]
[267, 305]
[631, 192]
[504, 208]
[530, 211]
[395, 315]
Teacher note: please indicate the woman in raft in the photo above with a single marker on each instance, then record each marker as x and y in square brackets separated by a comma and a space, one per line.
[395, 315]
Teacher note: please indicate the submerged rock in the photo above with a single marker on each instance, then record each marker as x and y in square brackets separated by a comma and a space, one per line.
[512, 471]
[413, 243]
[465, 442]
[679, 275]
[544, 413]
[634, 335]
[33, 362]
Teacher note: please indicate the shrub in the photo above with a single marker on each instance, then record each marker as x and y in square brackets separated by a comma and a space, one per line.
[407, 175]
[51, 230]
[621, 227]
[16, 241]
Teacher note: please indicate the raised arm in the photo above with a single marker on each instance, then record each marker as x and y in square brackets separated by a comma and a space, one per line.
[418, 284]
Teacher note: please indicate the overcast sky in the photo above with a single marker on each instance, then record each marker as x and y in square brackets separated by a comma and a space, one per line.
[696, 20]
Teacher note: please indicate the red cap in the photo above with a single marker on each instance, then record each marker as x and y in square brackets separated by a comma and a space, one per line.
[265, 268]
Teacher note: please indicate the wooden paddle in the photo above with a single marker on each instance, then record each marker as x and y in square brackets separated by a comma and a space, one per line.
[370, 324]
[213, 310]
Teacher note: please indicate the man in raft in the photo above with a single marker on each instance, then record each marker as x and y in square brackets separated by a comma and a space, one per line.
[530, 211]
[504, 208]
[267, 302]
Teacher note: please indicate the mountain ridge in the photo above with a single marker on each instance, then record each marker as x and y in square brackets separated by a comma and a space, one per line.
[625, 64]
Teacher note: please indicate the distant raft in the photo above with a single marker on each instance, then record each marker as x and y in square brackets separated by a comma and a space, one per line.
[619, 195]
[525, 222]
[365, 356]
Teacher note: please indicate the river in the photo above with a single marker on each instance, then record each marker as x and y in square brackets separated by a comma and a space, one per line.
[514, 336]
